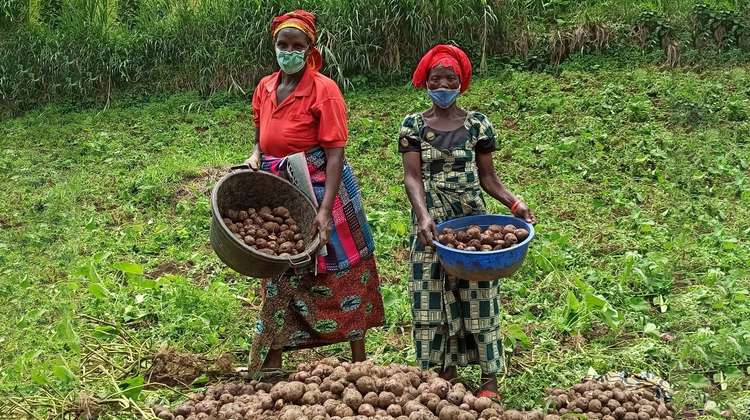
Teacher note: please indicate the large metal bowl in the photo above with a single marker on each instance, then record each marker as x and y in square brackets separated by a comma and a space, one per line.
[244, 188]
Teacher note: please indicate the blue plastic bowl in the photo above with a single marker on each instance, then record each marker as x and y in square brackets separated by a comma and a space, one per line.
[483, 266]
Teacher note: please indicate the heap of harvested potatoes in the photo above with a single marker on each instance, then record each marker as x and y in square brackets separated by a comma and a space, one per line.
[494, 238]
[270, 231]
[609, 402]
[335, 390]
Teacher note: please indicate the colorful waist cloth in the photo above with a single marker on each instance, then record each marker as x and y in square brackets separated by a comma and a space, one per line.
[351, 238]
[307, 310]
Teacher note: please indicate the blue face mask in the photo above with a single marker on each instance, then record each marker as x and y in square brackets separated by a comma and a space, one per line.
[443, 98]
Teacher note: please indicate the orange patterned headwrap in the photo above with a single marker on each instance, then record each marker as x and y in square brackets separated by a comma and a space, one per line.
[445, 56]
[304, 21]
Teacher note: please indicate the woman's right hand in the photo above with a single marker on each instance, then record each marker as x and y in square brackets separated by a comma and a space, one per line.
[253, 161]
[426, 230]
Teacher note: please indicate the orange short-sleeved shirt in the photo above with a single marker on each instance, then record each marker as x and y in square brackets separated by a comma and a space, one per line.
[314, 114]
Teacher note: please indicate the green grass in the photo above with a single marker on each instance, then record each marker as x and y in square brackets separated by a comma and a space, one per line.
[639, 178]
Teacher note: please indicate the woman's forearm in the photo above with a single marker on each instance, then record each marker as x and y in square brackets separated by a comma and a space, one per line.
[490, 182]
[414, 186]
[334, 172]
[256, 145]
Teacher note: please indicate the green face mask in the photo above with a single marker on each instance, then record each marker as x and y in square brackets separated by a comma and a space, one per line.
[290, 61]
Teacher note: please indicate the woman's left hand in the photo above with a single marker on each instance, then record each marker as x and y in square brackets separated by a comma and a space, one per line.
[523, 211]
[322, 225]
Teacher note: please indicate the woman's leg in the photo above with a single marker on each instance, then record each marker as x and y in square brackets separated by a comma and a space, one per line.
[449, 373]
[358, 350]
[273, 359]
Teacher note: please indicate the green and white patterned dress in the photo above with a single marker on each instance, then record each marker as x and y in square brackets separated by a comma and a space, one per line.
[456, 322]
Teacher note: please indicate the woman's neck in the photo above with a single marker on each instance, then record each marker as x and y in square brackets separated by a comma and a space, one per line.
[291, 79]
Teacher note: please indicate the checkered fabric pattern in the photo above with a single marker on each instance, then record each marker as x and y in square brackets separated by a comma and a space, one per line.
[456, 322]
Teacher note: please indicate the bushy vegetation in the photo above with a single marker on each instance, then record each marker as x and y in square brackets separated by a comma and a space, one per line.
[639, 178]
[83, 50]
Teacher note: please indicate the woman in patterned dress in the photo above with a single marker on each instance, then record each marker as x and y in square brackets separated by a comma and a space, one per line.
[447, 158]
[300, 121]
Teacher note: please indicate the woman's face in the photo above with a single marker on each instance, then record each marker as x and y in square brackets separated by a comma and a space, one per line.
[443, 77]
[292, 39]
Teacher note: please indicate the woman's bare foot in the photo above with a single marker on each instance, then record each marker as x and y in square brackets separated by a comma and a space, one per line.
[489, 386]
[358, 350]
[449, 374]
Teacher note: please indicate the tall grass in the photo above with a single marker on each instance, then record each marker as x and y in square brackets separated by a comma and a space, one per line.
[85, 49]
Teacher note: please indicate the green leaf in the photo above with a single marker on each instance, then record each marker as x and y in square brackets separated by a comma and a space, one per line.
[104, 331]
[639, 304]
[132, 387]
[200, 380]
[572, 301]
[651, 329]
[594, 302]
[63, 373]
[129, 268]
[38, 376]
[698, 381]
[98, 290]
[514, 331]
[142, 282]
[66, 333]
[87, 271]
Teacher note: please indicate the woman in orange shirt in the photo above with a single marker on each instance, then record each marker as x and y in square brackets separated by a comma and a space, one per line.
[300, 119]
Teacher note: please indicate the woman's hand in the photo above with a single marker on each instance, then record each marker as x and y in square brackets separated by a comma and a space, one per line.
[426, 230]
[322, 225]
[523, 211]
[254, 160]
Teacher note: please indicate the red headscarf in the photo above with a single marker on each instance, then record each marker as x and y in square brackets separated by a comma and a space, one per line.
[445, 56]
[305, 22]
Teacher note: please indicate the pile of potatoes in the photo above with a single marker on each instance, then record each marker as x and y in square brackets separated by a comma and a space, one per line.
[335, 390]
[596, 400]
[494, 238]
[270, 231]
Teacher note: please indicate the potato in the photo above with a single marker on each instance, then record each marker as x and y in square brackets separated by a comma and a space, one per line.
[412, 406]
[595, 405]
[281, 212]
[486, 248]
[482, 403]
[366, 410]
[370, 398]
[271, 227]
[466, 416]
[474, 243]
[510, 238]
[366, 384]
[393, 386]
[311, 397]
[440, 405]
[509, 228]
[449, 412]
[352, 398]
[386, 398]
[394, 410]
